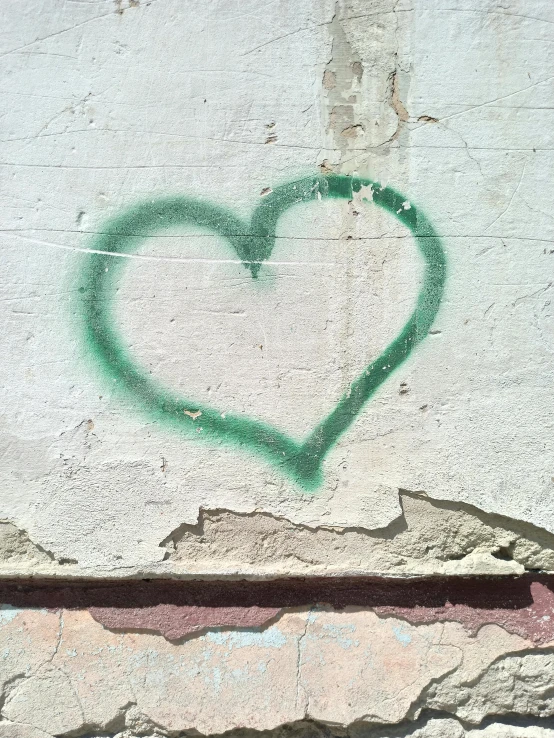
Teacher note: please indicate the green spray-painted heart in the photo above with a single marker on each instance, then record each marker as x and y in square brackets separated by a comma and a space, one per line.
[253, 243]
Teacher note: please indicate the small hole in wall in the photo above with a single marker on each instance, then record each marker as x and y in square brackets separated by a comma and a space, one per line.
[503, 553]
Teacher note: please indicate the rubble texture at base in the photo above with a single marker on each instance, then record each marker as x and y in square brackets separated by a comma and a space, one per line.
[431, 728]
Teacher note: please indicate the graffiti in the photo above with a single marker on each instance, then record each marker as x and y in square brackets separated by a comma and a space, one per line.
[253, 242]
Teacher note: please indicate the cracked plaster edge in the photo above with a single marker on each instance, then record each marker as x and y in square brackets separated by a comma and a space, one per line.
[404, 729]
[161, 572]
[63, 568]
[165, 571]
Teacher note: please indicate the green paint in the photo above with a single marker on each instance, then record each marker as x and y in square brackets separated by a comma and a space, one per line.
[253, 242]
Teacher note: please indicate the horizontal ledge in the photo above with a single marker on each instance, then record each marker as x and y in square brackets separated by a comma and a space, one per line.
[489, 592]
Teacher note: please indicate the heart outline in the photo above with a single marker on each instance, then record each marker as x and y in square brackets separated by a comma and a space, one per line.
[253, 244]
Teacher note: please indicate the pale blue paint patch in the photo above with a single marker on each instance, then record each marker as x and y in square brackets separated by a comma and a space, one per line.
[215, 679]
[339, 634]
[404, 638]
[270, 638]
[8, 613]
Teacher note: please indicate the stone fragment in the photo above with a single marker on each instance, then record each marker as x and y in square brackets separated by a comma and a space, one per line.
[520, 685]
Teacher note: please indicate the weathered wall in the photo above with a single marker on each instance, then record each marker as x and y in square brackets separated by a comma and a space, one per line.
[276, 301]
[167, 135]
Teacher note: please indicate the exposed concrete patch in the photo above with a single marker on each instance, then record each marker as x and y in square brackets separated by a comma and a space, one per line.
[430, 538]
[518, 684]
[433, 537]
[17, 548]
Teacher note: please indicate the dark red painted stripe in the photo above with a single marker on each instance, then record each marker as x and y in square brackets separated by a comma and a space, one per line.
[522, 605]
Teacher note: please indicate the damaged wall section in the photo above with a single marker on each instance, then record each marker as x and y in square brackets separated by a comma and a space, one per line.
[67, 675]
[430, 538]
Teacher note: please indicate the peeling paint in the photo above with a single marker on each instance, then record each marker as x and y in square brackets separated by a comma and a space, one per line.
[535, 621]
[178, 621]
[8, 613]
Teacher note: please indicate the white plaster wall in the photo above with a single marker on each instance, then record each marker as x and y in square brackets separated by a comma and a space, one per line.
[105, 106]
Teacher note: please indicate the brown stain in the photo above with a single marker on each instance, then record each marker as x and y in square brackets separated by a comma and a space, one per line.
[352, 131]
[398, 106]
[131, 4]
[396, 103]
[521, 605]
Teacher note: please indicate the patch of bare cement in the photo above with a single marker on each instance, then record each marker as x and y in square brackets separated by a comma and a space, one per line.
[16, 548]
[432, 537]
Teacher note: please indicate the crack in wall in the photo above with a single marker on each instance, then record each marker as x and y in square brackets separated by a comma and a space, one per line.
[313, 648]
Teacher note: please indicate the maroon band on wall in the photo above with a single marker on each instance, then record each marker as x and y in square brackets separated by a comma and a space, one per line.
[522, 605]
